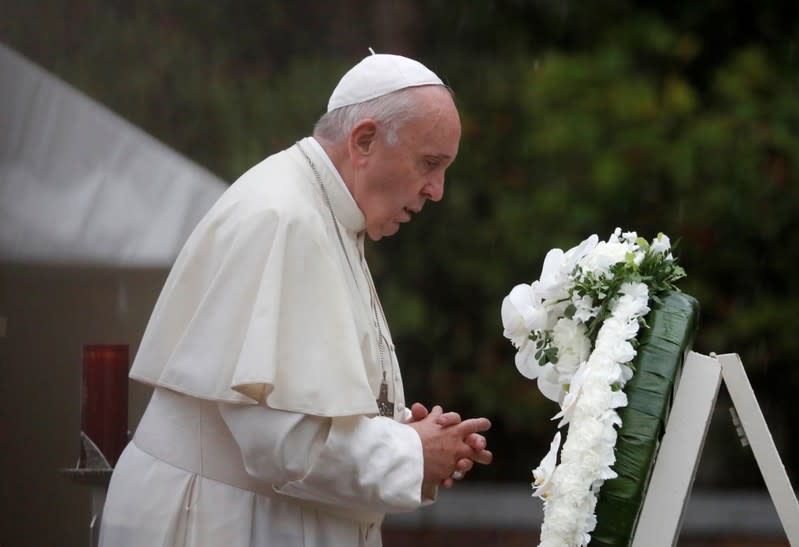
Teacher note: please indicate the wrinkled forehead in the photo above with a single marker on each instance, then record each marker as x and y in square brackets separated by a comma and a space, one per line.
[434, 106]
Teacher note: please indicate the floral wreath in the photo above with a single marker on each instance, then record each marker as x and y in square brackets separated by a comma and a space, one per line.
[576, 331]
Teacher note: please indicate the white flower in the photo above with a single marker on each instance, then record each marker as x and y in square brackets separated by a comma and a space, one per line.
[543, 473]
[558, 266]
[570, 337]
[574, 255]
[549, 384]
[615, 328]
[629, 237]
[553, 277]
[522, 313]
[584, 308]
[618, 351]
[637, 291]
[661, 244]
[526, 363]
[603, 256]
[626, 373]
[569, 404]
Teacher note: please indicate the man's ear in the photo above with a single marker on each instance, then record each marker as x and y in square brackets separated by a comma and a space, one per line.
[362, 138]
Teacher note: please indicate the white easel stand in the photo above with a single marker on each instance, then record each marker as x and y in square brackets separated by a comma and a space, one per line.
[673, 475]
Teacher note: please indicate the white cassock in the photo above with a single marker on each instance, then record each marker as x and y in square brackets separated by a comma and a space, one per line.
[264, 353]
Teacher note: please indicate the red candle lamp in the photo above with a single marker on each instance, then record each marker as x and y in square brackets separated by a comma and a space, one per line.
[104, 403]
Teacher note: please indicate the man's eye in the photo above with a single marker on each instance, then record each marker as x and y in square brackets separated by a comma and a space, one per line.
[431, 163]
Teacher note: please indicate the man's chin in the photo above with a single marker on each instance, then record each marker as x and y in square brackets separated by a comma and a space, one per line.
[387, 230]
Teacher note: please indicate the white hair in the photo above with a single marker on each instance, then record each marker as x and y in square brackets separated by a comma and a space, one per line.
[391, 112]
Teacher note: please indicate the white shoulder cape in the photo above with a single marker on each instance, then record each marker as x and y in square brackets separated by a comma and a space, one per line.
[256, 307]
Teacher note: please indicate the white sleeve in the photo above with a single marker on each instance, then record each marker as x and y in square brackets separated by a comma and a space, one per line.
[373, 464]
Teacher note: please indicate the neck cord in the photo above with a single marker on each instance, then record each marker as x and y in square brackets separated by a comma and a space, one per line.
[385, 407]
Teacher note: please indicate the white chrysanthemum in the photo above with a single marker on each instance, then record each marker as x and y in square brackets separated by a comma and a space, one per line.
[596, 401]
[566, 369]
[626, 373]
[617, 328]
[637, 291]
[627, 306]
[570, 338]
[620, 352]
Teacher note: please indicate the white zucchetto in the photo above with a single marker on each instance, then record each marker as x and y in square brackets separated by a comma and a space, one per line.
[377, 75]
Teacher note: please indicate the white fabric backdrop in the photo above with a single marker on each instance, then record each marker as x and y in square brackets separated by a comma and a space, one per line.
[80, 185]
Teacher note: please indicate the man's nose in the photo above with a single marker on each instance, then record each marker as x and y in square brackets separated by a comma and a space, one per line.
[434, 190]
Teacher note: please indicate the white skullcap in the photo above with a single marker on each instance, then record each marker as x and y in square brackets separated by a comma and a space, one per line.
[377, 75]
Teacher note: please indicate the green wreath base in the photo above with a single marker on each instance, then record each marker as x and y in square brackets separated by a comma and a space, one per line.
[672, 323]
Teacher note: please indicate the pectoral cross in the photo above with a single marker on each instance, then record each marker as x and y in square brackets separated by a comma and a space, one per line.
[384, 406]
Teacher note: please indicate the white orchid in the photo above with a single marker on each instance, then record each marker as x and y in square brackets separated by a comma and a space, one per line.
[553, 276]
[574, 255]
[549, 383]
[542, 475]
[603, 256]
[521, 313]
[569, 404]
[526, 363]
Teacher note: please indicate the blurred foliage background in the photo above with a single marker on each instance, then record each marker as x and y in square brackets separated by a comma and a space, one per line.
[679, 117]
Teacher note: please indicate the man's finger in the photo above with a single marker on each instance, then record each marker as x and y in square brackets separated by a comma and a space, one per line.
[419, 411]
[476, 441]
[464, 465]
[449, 418]
[482, 456]
[473, 425]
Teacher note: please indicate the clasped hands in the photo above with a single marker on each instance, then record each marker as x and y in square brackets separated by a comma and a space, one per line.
[449, 444]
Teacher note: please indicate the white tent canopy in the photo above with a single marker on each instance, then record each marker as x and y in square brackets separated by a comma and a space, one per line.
[80, 185]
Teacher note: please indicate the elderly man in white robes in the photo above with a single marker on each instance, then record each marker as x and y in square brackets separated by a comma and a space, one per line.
[278, 416]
